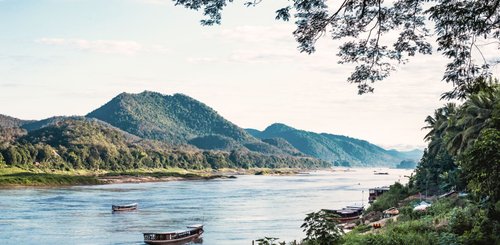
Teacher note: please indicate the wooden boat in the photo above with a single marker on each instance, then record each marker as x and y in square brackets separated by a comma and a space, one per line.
[176, 237]
[346, 214]
[126, 207]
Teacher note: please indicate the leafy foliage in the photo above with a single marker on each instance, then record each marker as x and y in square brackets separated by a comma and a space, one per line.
[481, 164]
[396, 193]
[269, 241]
[461, 28]
[321, 229]
[454, 142]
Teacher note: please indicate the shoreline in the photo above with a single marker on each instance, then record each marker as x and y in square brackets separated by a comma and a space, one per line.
[19, 178]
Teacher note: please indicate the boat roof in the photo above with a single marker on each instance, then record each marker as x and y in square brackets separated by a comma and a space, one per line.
[162, 233]
[130, 204]
[196, 226]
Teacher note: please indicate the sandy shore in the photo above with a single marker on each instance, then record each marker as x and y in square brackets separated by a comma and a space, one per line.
[136, 179]
[120, 179]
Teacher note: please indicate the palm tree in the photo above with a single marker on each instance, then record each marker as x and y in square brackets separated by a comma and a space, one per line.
[439, 126]
[472, 117]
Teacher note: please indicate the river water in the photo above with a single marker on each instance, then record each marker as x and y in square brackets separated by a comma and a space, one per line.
[234, 211]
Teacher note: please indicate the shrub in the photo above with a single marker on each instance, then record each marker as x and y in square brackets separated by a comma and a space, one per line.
[396, 193]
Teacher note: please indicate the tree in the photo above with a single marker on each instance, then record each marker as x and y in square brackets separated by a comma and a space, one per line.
[474, 115]
[321, 228]
[453, 130]
[481, 164]
[368, 26]
[269, 241]
[438, 126]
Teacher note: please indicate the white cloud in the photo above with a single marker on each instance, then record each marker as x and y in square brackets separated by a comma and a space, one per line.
[198, 60]
[261, 56]
[257, 34]
[124, 47]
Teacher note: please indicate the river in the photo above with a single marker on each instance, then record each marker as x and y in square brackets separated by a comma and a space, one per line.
[234, 211]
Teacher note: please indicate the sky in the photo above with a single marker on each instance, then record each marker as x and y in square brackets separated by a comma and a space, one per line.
[69, 57]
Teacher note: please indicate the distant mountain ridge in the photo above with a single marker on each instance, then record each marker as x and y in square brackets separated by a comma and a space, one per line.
[180, 121]
[341, 150]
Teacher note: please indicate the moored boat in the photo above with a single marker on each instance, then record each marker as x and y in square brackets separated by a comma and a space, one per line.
[347, 214]
[176, 237]
[125, 207]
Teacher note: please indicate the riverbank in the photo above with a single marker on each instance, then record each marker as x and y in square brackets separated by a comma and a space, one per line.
[18, 177]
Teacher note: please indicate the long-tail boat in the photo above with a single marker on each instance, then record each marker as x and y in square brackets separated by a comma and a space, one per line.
[126, 207]
[175, 237]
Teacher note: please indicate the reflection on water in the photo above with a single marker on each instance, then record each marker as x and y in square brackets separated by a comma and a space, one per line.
[234, 211]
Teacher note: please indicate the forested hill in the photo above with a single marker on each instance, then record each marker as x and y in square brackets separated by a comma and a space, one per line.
[341, 150]
[177, 119]
[81, 143]
[11, 122]
[158, 123]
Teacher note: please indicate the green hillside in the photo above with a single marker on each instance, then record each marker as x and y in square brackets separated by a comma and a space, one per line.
[177, 119]
[341, 150]
[80, 143]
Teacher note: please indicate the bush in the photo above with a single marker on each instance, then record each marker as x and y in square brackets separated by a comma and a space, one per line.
[396, 193]
[321, 229]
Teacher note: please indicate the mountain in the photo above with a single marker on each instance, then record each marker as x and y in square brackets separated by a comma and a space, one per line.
[11, 122]
[414, 155]
[151, 129]
[341, 150]
[177, 119]
[82, 143]
[34, 125]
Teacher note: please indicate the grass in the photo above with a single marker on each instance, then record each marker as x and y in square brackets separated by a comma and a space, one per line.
[33, 176]
[21, 177]
[15, 176]
[163, 173]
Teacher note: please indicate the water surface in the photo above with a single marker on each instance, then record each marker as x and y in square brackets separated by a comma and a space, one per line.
[234, 211]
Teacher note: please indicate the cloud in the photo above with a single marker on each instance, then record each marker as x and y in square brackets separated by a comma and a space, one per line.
[261, 56]
[123, 47]
[199, 60]
[257, 34]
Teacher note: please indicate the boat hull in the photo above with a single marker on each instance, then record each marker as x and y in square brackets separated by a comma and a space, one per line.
[180, 241]
[172, 238]
[118, 208]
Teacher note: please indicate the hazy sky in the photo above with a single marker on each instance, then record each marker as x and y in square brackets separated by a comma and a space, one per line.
[68, 57]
